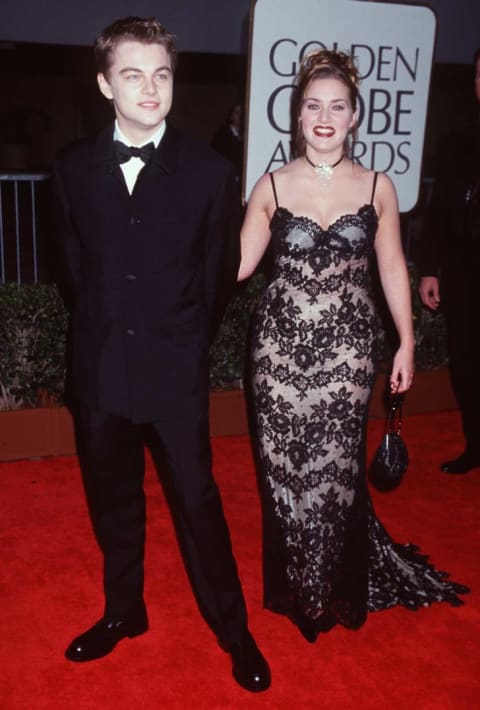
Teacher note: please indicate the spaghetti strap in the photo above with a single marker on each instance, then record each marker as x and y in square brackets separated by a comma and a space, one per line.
[274, 189]
[374, 186]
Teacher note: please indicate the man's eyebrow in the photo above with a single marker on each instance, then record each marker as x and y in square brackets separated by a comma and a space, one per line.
[140, 71]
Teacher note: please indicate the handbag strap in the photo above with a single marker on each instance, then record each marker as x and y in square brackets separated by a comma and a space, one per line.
[393, 424]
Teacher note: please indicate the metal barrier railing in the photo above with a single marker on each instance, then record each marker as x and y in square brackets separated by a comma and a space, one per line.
[24, 224]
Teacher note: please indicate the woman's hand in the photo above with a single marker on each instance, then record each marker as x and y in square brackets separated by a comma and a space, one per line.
[402, 370]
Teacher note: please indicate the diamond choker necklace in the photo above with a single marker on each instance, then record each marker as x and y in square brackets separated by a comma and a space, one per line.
[324, 170]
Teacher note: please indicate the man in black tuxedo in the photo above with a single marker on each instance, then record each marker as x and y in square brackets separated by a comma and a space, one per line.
[450, 271]
[149, 222]
[228, 140]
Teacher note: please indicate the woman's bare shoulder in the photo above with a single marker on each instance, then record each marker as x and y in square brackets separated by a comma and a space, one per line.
[287, 174]
[385, 189]
[262, 188]
[262, 196]
[263, 192]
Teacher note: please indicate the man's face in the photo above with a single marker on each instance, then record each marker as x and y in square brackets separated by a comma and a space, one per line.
[140, 83]
[477, 80]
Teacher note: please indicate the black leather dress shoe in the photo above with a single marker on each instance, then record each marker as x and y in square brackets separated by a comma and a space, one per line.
[463, 464]
[103, 636]
[250, 669]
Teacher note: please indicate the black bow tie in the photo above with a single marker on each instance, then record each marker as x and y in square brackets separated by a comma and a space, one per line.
[123, 152]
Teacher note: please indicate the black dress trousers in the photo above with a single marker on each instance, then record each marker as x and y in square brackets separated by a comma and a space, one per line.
[112, 456]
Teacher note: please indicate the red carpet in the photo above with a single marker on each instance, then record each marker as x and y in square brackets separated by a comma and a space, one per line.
[50, 589]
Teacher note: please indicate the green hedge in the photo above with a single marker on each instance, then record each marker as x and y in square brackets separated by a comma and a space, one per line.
[33, 327]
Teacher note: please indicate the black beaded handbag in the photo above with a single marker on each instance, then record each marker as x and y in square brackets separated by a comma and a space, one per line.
[390, 460]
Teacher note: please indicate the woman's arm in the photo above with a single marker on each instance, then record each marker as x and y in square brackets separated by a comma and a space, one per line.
[395, 281]
[255, 233]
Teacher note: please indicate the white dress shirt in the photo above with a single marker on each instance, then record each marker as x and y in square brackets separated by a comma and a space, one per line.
[132, 167]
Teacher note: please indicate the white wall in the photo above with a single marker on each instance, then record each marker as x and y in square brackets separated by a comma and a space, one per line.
[201, 25]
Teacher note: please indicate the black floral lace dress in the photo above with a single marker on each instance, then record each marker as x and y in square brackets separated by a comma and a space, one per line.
[327, 558]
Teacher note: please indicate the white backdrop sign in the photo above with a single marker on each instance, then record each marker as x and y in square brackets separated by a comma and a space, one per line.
[393, 45]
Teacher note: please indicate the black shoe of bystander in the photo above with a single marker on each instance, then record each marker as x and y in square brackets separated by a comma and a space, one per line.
[463, 464]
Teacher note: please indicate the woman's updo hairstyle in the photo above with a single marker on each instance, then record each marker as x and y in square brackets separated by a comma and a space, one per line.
[322, 64]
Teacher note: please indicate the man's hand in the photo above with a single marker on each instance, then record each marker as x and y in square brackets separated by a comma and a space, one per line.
[429, 290]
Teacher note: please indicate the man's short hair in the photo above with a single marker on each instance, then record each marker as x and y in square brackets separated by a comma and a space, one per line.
[138, 29]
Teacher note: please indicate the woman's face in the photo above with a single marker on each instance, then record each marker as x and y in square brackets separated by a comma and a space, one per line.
[326, 114]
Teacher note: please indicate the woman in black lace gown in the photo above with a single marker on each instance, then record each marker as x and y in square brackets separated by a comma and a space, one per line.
[327, 558]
